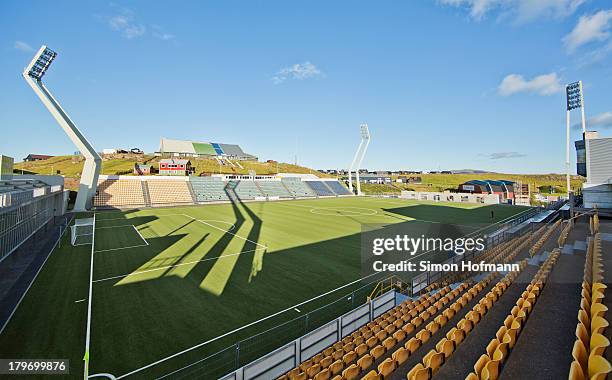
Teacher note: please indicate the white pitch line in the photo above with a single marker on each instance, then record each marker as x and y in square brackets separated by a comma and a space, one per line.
[119, 226]
[139, 234]
[116, 249]
[226, 231]
[77, 301]
[176, 265]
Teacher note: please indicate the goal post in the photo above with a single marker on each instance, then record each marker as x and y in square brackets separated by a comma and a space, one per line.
[82, 231]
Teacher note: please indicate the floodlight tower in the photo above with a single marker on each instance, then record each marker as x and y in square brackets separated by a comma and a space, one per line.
[359, 155]
[575, 99]
[33, 74]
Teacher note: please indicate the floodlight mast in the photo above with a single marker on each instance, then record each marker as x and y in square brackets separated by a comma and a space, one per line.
[365, 138]
[353, 165]
[33, 75]
[574, 99]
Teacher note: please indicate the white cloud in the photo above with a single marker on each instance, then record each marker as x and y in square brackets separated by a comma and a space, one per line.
[163, 36]
[603, 120]
[595, 27]
[125, 24]
[299, 71]
[503, 155]
[22, 46]
[546, 84]
[520, 10]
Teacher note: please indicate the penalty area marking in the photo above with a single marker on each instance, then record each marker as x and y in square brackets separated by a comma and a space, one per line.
[146, 243]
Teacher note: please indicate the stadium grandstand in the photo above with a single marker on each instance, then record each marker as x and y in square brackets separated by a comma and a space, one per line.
[184, 148]
[152, 191]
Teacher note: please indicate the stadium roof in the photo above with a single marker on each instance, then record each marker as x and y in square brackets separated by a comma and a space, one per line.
[202, 148]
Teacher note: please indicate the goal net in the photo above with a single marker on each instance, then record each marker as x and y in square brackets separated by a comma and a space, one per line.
[82, 231]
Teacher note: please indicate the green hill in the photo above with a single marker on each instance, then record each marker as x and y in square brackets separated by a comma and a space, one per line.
[71, 166]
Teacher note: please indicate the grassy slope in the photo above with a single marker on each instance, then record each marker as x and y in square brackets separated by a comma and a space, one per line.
[143, 317]
[125, 163]
[441, 182]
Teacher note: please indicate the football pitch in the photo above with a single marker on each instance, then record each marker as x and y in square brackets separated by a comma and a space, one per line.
[165, 280]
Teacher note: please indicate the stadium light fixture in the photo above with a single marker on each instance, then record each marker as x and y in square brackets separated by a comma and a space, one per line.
[33, 75]
[574, 100]
[358, 158]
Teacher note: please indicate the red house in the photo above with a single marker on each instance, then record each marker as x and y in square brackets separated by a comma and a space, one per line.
[171, 166]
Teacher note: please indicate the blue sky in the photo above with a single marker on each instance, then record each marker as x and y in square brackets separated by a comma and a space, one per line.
[445, 84]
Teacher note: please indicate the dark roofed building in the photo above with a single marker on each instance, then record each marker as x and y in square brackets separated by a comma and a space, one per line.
[36, 157]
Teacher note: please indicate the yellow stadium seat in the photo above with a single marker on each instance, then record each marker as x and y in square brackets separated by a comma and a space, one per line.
[598, 310]
[313, 370]
[598, 324]
[401, 355]
[576, 372]
[433, 327]
[446, 347]
[599, 367]
[382, 334]
[301, 376]
[412, 345]
[423, 335]
[306, 364]
[389, 343]
[399, 335]
[336, 367]
[387, 367]
[372, 375]
[365, 361]
[377, 352]
[408, 328]
[349, 357]
[480, 363]
[471, 376]
[492, 346]
[433, 360]
[323, 375]
[598, 344]
[361, 349]
[490, 370]
[373, 341]
[351, 372]
[326, 361]
[580, 355]
[417, 321]
[418, 372]
[582, 334]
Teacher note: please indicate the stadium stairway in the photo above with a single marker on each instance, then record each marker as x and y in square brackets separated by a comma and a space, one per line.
[552, 322]
[145, 193]
[461, 363]
[483, 322]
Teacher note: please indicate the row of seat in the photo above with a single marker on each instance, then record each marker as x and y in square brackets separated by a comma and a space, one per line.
[389, 365]
[372, 335]
[118, 192]
[401, 354]
[436, 358]
[488, 366]
[590, 345]
[131, 192]
[540, 243]
[565, 233]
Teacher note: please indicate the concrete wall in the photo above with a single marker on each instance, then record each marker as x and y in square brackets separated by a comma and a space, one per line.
[451, 197]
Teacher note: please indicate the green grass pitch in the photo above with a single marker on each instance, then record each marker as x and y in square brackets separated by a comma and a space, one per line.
[167, 279]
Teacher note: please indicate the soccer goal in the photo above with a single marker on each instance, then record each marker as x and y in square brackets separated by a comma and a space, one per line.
[83, 231]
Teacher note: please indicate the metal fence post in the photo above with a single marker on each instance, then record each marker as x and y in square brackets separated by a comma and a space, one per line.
[237, 355]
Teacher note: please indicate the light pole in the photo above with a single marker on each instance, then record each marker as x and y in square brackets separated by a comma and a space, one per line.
[358, 158]
[575, 99]
[33, 75]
